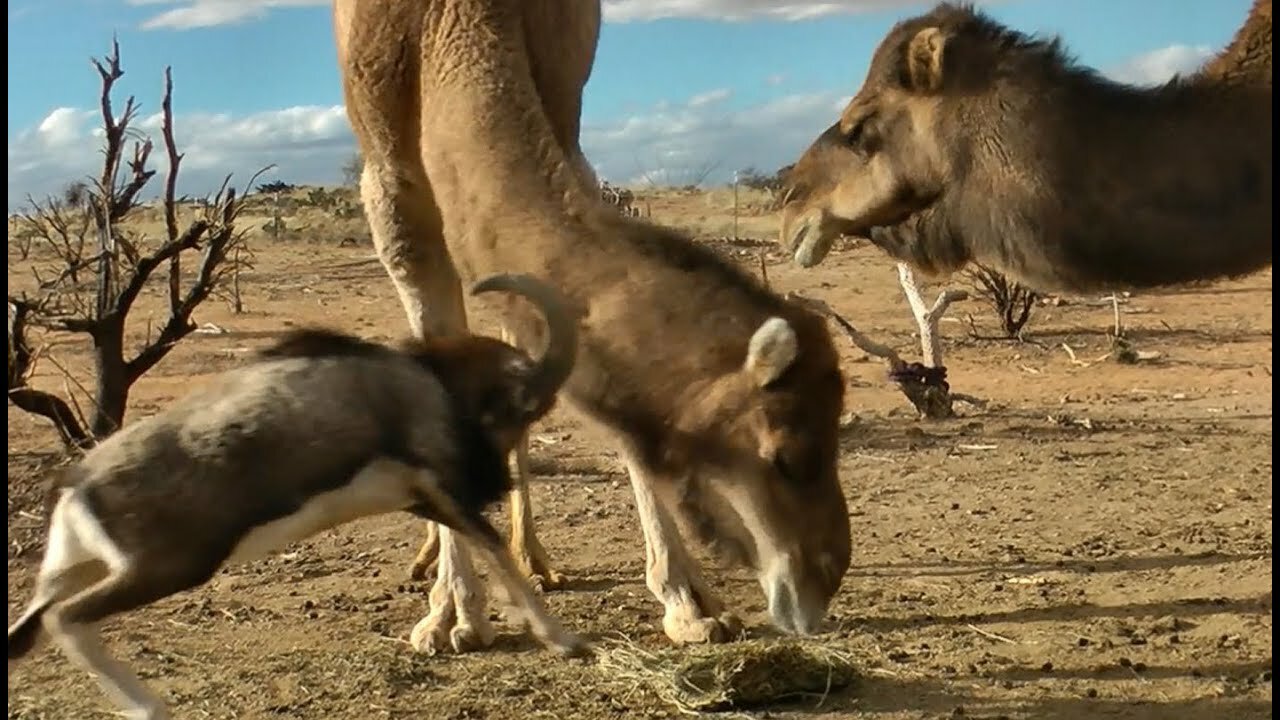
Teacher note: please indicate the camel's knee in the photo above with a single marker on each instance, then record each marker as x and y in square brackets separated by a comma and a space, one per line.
[406, 225]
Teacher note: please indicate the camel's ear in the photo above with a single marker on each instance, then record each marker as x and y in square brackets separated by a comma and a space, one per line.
[924, 60]
[773, 349]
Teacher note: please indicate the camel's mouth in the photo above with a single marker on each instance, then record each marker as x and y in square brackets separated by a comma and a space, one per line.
[811, 244]
[815, 235]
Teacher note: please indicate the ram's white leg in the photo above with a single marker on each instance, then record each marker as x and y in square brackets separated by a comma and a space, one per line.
[78, 542]
[482, 536]
[691, 613]
[522, 597]
[83, 646]
[69, 565]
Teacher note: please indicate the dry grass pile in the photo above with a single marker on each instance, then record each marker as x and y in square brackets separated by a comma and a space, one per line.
[734, 676]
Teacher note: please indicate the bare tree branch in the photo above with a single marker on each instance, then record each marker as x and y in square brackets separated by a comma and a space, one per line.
[100, 306]
[924, 384]
[146, 265]
[38, 402]
[855, 336]
[927, 318]
[170, 189]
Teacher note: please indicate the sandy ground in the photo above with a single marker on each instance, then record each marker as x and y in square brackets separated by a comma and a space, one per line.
[1094, 543]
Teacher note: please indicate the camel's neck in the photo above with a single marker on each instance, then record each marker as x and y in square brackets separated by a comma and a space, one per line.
[1130, 187]
[506, 187]
[1247, 59]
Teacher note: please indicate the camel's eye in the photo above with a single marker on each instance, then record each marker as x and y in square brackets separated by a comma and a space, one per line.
[781, 466]
[861, 133]
[854, 136]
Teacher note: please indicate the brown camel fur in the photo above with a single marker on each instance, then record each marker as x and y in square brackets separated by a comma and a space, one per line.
[723, 398]
[971, 142]
[1247, 58]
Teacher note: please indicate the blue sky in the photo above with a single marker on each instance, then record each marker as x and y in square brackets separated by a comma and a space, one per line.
[679, 86]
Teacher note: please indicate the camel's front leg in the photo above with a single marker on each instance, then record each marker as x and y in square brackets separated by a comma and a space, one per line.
[525, 547]
[458, 617]
[530, 556]
[692, 614]
[425, 562]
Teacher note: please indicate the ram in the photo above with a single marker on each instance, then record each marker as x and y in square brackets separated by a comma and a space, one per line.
[320, 429]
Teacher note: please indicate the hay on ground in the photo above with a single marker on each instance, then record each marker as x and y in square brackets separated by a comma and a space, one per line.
[734, 676]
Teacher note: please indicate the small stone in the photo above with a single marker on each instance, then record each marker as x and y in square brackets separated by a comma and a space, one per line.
[1082, 642]
[1126, 662]
[1047, 667]
[1091, 693]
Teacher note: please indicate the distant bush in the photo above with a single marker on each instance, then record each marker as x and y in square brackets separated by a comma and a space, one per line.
[276, 186]
[756, 180]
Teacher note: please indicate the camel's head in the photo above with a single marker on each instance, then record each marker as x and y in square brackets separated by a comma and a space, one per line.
[891, 154]
[776, 501]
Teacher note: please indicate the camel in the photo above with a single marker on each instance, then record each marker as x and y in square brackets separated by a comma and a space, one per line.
[722, 397]
[1247, 58]
[972, 142]
[619, 197]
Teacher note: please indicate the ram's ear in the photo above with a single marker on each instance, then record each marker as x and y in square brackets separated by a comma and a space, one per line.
[924, 60]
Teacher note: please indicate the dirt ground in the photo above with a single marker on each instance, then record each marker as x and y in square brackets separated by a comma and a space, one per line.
[1095, 543]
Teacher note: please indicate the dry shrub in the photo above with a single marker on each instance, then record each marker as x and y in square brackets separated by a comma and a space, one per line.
[1011, 301]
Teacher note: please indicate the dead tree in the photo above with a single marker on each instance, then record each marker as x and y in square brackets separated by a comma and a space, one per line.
[101, 268]
[1011, 300]
[22, 362]
[924, 383]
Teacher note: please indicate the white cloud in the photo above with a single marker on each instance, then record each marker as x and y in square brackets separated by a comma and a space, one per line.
[61, 127]
[188, 14]
[733, 10]
[1158, 66]
[679, 144]
[711, 97]
[308, 144]
[671, 143]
